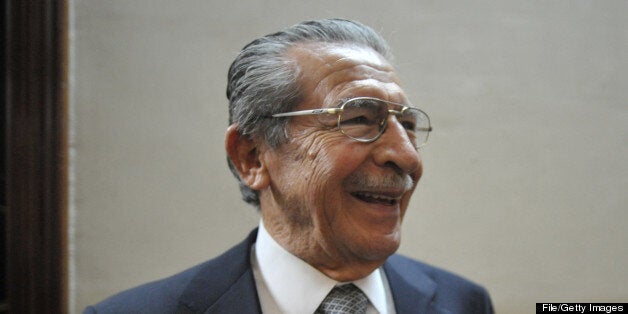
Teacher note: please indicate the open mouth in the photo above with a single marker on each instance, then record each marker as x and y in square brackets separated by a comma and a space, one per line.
[376, 198]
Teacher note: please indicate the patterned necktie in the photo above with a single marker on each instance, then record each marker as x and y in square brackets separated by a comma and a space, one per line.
[346, 299]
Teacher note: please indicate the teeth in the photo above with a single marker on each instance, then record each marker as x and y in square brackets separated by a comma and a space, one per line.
[378, 197]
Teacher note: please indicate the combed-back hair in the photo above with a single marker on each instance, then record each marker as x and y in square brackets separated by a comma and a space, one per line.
[263, 80]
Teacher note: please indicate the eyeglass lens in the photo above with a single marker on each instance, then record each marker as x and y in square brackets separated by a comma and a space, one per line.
[364, 119]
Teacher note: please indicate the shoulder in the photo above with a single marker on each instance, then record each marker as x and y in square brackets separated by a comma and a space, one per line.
[439, 275]
[159, 296]
[447, 289]
[213, 277]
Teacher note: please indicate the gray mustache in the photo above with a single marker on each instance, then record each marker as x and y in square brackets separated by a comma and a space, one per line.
[388, 181]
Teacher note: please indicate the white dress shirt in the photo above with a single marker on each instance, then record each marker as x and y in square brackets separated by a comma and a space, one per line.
[287, 284]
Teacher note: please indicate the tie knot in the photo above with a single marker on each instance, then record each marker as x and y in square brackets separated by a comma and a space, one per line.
[345, 299]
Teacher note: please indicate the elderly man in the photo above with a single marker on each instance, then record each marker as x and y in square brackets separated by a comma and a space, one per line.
[324, 141]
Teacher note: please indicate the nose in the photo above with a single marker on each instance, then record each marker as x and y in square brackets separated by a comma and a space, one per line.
[394, 149]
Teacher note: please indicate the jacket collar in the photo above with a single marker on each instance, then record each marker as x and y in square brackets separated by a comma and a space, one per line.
[413, 290]
[226, 285]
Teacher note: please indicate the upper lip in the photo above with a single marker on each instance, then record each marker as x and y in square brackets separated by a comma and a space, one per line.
[384, 195]
[386, 187]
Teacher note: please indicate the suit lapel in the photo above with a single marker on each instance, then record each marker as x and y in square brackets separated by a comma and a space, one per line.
[240, 298]
[413, 291]
[225, 285]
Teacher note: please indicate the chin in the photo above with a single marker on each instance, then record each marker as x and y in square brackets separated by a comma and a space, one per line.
[380, 248]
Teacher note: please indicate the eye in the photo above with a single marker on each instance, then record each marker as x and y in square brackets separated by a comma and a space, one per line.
[362, 112]
[410, 120]
[359, 120]
[409, 125]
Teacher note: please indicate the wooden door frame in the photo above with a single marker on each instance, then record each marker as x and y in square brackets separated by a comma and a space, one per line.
[36, 142]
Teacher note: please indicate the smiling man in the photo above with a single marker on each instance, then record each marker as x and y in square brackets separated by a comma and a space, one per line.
[324, 141]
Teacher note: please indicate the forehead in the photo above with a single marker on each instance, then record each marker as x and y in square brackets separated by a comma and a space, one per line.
[329, 72]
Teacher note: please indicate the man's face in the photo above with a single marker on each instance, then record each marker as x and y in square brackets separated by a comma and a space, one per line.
[332, 200]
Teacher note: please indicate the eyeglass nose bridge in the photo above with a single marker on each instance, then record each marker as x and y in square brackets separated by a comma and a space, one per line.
[396, 112]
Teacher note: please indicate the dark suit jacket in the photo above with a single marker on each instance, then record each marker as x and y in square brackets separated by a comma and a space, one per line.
[226, 285]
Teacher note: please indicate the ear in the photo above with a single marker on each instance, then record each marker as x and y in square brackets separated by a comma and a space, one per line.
[244, 153]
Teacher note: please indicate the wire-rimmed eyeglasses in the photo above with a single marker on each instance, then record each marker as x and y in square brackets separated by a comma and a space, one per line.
[364, 119]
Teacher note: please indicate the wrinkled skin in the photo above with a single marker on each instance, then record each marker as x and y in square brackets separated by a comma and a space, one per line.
[336, 203]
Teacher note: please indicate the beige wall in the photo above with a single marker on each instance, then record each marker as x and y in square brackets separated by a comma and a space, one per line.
[525, 177]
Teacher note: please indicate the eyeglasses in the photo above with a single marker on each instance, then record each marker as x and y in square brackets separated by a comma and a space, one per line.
[364, 119]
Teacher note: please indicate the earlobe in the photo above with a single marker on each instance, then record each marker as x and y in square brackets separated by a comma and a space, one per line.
[244, 153]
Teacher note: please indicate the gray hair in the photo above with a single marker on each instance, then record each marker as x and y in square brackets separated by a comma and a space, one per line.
[263, 81]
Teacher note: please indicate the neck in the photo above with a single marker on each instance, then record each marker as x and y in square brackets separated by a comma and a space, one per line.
[304, 242]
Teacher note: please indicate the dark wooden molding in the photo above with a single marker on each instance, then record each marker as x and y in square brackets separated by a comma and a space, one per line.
[36, 139]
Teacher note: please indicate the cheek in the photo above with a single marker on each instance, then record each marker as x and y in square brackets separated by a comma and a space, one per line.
[321, 162]
[315, 152]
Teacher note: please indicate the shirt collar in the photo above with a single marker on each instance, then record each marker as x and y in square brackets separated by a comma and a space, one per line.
[297, 287]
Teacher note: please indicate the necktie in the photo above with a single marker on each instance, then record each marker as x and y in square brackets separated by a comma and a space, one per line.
[346, 299]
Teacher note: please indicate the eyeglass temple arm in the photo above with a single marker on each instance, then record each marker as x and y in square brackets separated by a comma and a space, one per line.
[308, 112]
